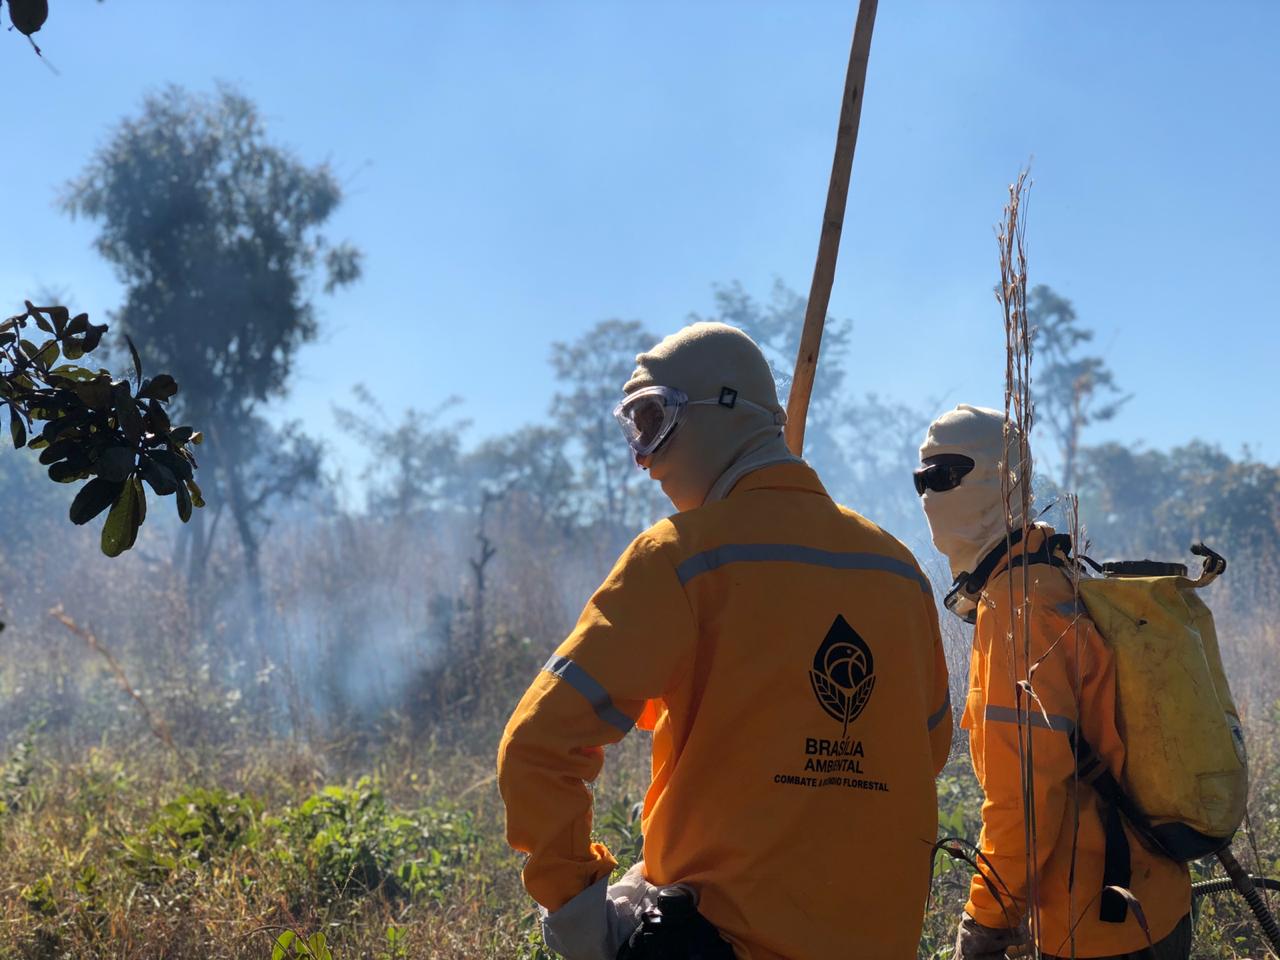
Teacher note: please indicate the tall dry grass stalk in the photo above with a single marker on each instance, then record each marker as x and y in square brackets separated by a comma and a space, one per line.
[154, 722]
[1015, 489]
[1075, 570]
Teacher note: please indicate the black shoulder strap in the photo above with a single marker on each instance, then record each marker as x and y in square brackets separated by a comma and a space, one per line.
[1051, 552]
[1116, 858]
[982, 572]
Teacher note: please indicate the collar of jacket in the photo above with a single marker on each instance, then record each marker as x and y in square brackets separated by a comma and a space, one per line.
[781, 476]
[1037, 534]
[969, 588]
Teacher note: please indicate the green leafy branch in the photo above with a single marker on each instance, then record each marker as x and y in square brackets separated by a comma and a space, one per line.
[92, 426]
[291, 946]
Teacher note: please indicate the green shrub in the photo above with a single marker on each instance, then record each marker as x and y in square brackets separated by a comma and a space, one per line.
[350, 842]
[620, 828]
[15, 776]
[195, 828]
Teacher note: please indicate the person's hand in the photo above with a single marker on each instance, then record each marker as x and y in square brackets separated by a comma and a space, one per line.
[597, 922]
[974, 941]
[631, 896]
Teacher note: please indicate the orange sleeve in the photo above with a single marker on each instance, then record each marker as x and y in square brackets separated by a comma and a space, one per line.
[1036, 727]
[636, 635]
[940, 723]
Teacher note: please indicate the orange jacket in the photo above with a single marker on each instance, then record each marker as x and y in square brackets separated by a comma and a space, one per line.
[1074, 683]
[785, 652]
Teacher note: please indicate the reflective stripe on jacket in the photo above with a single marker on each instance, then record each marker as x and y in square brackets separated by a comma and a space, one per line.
[1074, 666]
[785, 652]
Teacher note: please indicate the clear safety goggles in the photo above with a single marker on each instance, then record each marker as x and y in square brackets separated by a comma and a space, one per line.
[649, 415]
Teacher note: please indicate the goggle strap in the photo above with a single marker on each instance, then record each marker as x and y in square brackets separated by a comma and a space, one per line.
[779, 416]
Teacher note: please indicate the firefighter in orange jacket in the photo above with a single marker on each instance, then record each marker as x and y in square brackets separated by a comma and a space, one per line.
[785, 653]
[1048, 869]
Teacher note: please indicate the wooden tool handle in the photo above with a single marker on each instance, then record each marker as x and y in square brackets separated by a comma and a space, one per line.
[824, 270]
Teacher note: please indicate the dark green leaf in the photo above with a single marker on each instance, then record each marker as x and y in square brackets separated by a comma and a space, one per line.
[161, 478]
[48, 354]
[43, 324]
[141, 494]
[157, 420]
[94, 497]
[57, 451]
[137, 361]
[95, 393]
[48, 410]
[79, 323]
[115, 464]
[72, 373]
[72, 349]
[160, 387]
[56, 427]
[184, 502]
[93, 336]
[181, 435]
[121, 529]
[17, 430]
[127, 415]
[179, 465]
[65, 471]
[197, 497]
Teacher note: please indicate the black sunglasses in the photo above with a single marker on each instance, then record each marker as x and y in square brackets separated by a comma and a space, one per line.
[942, 474]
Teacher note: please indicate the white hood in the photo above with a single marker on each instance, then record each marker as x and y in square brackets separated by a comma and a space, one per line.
[968, 521]
[713, 446]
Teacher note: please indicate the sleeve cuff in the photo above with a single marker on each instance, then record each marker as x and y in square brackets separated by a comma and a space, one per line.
[553, 882]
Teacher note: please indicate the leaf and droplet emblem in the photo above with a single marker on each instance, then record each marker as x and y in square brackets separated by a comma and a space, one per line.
[843, 673]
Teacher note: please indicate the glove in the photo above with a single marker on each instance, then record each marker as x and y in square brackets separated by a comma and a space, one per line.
[977, 942]
[632, 895]
[597, 922]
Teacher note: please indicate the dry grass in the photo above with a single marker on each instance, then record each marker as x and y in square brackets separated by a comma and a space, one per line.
[362, 680]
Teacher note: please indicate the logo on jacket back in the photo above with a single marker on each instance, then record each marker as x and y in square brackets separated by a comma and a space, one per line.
[843, 673]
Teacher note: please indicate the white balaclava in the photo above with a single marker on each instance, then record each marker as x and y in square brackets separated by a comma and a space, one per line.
[713, 446]
[969, 520]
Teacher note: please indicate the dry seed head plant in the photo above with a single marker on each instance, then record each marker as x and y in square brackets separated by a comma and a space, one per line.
[1018, 418]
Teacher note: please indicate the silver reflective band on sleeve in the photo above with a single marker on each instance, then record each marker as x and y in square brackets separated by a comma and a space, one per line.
[596, 695]
[942, 712]
[718, 557]
[1033, 717]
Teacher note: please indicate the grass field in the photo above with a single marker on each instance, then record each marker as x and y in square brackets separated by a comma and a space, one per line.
[161, 803]
[384, 850]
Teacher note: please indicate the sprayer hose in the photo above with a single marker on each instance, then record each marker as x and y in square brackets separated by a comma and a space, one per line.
[1206, 888]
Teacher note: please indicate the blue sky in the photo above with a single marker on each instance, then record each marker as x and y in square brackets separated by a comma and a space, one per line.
[517, 171]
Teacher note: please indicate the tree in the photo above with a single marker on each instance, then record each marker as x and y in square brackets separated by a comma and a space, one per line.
[593, 369]
[215, 233]
[415, 465]
[529, 463]
[1153, 502]
[1070, 391]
